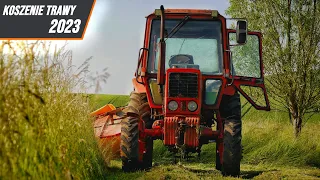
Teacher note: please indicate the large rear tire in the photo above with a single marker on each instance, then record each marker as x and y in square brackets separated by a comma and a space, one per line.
[129, 146]
[231, 113]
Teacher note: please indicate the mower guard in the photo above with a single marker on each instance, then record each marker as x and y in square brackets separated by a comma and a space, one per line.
[107, 127]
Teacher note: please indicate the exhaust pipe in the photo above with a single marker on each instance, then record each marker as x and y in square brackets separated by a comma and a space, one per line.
[161, 63]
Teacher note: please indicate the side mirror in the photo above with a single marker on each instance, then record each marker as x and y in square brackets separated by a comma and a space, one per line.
[241, 32]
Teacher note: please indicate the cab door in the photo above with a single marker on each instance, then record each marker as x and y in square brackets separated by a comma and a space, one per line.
[246, 67]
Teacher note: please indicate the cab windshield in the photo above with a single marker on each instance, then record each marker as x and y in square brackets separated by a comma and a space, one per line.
[197, 44]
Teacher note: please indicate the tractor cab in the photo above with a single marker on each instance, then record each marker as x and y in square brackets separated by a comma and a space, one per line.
[189, 40]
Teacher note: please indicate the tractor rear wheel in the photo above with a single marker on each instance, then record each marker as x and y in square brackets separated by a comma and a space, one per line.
[231, 113]
[129, 146]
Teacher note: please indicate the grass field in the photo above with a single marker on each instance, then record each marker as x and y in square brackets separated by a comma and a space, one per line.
[270, 151]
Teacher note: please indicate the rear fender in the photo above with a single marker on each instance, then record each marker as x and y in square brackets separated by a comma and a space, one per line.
[139, 88]
[229, 90]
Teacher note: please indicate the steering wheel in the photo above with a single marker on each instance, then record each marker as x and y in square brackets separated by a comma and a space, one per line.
[180, 59]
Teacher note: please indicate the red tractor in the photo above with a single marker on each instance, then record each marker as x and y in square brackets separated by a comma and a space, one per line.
[187, 88]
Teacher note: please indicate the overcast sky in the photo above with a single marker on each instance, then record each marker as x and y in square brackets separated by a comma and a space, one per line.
[115, 34]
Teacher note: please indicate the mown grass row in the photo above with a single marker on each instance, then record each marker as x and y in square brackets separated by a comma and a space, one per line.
[46, 132]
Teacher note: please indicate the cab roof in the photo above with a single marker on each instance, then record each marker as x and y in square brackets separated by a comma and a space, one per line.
[213, 13]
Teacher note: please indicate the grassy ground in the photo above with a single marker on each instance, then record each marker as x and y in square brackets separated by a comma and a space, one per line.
[270, 151]
[103, 99]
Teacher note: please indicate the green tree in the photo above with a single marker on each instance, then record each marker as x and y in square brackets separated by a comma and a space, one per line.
[291, 52]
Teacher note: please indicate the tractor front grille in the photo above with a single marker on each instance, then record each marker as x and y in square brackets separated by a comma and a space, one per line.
[183, 85]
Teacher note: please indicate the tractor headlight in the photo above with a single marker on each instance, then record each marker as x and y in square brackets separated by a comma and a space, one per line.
[173, 105]
[192, 106]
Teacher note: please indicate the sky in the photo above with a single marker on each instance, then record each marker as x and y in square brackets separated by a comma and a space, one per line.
[115, 34]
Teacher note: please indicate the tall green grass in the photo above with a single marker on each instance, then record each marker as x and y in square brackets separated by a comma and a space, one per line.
[46, 132]
[268, 137]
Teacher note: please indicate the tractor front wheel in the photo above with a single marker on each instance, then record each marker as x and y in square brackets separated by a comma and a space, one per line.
[232, 150]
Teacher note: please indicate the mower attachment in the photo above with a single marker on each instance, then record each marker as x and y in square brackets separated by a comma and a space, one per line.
[107, 127]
